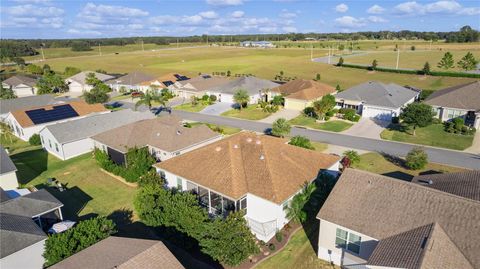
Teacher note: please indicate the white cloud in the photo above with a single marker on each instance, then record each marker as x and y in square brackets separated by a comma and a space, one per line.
[33, 1]
[238, 14]
[83, 32]
[33, 16]
[287, 15]
[376, 19]
[438, 7]
[375, 9]
[469, 11]
[91, 9]
[342, 8]
[209, 14]
[268, 29]
[289, 29]
[350, 22]
[225, 2]
[443, 7]
[36, 11]
[408, 8]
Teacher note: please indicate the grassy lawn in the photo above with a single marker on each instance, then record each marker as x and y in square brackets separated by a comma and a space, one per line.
[249, 113]
[320, 147]
[394, 166]
[120, 97]
[432, 135]
[225, 130]
[333, 126]
[14, 144]
[89, 190]
[191, 108]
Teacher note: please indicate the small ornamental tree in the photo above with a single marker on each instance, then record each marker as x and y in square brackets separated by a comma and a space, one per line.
[51, 83]
[296, 210]
[34, 140]
[139, 163]
[34, 69]
[278, 100]
[350, 157]
[416, 159]
[426, 69]
[338, 88]
[374, 64]
[317, 77]
[417, 115]
[301, 141]
[242, 98]
[446, 62]
[281, 127]
[95, 96]
[6, 93]
[84, 234]
[340, 61]
[148, 98]
[324, 105]
[468, 62]
[229, 241]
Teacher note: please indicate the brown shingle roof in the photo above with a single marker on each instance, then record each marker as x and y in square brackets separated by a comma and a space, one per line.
[202, 83]
[166, 133]
[304, 89]
[80, 107]
[465, 184]
[121, 252]
[20, 79]
[248, 163]
[381, 207]
[465, 96]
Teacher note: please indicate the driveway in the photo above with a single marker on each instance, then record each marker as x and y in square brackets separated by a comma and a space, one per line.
[287, 114]
[475, 148]
[217, 108]
[366, 127]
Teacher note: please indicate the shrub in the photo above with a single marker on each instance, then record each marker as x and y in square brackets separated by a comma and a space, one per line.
[310, 112]
[349, 114]
[330, 113]
[416, 159]
[213, 98]
[271, 246]
[395, 120]
[281, 127]
[35, 140]
[279, 236]
[327, 118]
[301, 141]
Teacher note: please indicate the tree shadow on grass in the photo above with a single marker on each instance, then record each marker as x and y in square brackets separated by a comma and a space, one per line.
[399, 127]
[30, 164]
[74, 201]
[394, 160]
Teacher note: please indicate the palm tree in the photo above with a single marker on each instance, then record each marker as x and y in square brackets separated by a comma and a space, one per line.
[148, 98]
[295, 211]
[241, 97]
[6, 130]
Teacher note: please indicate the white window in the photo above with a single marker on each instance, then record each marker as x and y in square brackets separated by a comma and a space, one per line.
[348, 241]
[56, 147]
[179, 183]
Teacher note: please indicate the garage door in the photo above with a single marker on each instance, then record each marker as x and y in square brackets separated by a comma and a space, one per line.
[295, 104]
[377, 113]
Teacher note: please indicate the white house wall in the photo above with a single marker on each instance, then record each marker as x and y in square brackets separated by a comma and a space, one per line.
[76, 148]
[8, 181]
[328, 251]
[50, 143]
[163, 155]
[23, 90]
[27, 258]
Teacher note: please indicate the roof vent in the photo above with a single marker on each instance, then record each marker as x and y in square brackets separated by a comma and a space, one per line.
[178, 132]
[217, 149]
[258, 142]
[235, 146]
[262, 157]
[430, 182]
[158, 134]
[249, 140]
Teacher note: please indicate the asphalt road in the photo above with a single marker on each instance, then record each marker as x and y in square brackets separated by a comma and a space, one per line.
[449, 157]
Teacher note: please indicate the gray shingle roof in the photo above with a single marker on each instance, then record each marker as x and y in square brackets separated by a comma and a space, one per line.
[31, 205]
[251, 84]
[465, 96]
[22, 103]
[379, 94]
[86, 127]
[80, 77]
[132, 78]
[20, 79]
[465, 184]
[121, 252]
[6, 164]
[381, 207]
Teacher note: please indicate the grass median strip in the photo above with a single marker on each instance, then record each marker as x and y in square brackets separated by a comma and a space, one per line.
[332, 126]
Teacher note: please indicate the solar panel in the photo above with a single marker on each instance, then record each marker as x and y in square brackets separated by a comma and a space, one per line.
[177, 76]
[181, 78]
[167, 83]
[39, 116]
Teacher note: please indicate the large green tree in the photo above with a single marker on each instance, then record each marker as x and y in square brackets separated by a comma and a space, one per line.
[281, 127]
[447, 61]
[296, 209]
[241, 97]
[324, 105]
[468, 62]
[51, 83]
[149, 98]
[417, 115]
[6, 93]
[98, 93]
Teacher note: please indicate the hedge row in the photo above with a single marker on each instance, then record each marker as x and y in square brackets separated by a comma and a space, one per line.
[414, 72]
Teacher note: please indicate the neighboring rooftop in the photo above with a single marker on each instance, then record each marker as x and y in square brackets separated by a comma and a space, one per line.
[166, 133]
[20, 79]
[380, 94]
[251, 84]
[133, 78]
[89, 126]
[31, 205]
[465, 96]
[249, 163]
[303, 89]
[23, 103]
[205, 82]
[382, 207]
[81, 77]
[6, 164]
[122, 253]
[44, 114]
[465, 184]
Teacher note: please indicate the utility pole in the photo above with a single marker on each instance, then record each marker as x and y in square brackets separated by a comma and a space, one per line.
[43, 55]
[99, 49]
[143, 49]
[398, 57]
[311, 53]
[177, 42]
[329, 48]
[207, 40]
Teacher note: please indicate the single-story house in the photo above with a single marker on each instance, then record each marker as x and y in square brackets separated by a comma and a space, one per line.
[21, 85]
[198, 86]
[132, 81]
[165, 137]
[8, 171]
[259, 174]
[377, 100]
[373, 221]
[8, 105]
[23, 221]
[25, 123]
[257, 89]
[301, 93]
[122, 253]
[257, 44]
[77, 83]
[458, 101]
[68, 139]
[166, 81]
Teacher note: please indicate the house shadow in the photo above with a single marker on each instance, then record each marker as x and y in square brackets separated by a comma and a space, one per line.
[30, 164]
[399, 175]
[430, 172]
[74, 201]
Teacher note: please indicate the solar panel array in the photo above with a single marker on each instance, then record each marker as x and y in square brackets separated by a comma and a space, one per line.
[181, 78]
[167, 83]
[39, 116]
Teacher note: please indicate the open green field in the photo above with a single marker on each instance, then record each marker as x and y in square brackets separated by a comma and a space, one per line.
[264, 63]
[432, 135]
[409, 59]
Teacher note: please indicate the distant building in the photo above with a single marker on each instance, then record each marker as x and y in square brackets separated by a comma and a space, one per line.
[255, 87]
[8, 105]
[77, 83]
[257, 44]
[21, 85]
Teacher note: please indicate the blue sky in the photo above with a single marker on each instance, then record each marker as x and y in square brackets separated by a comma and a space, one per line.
[118, 18]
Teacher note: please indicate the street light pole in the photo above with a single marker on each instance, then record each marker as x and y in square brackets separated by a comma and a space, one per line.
[398, 57]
